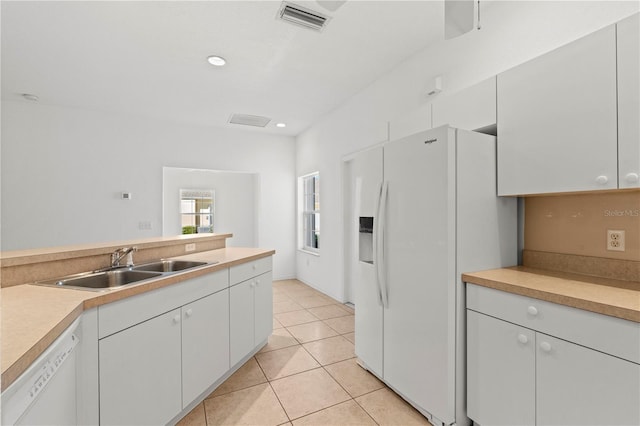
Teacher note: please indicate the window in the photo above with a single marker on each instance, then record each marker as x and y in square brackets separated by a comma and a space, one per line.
[310, 211]
[196, 211]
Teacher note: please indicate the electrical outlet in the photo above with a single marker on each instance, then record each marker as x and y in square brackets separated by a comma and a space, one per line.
[190, 247]
[144, 224]
[615, 240]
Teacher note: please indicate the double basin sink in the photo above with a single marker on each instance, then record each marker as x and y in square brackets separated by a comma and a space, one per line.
[120, 276]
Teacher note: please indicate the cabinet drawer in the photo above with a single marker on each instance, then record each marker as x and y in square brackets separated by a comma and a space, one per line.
[611, 335]
[248, 270]
[119, 315]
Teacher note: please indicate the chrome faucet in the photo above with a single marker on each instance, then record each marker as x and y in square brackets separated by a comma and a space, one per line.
[119, 254]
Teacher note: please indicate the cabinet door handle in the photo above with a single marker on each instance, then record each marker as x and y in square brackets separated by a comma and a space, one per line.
[632, 177]
[189, 312]
[532, 310]
[252, 284]
[257, 283]
[602, 180]
[545, 346]
[176, 319]
[523, 339]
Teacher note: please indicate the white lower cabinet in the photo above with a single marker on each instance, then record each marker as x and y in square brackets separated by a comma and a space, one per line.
[241, 320]
[205, 344]
[251, 315]
[500, 372]
[520, 376]
[160, 351]
[263, 308]
[580, 386]
[153, 370]
[140, 367]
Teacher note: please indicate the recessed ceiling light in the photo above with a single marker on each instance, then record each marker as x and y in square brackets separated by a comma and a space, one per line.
[281, 125]
[218, 61]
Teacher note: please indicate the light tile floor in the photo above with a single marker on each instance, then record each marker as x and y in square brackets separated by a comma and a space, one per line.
[306, 375]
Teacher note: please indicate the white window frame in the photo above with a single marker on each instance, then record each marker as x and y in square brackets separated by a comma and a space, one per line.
[202, 216]
[309, 212]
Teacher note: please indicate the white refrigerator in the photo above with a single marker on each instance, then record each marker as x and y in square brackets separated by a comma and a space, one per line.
[426, 210]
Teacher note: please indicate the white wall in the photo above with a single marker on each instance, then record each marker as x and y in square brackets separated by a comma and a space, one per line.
[512, 32]
[234, 202]
[63, 170]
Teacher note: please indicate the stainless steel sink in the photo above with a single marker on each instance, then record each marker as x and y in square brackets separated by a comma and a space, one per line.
[169, 266]
[103, 280]
[113, 278]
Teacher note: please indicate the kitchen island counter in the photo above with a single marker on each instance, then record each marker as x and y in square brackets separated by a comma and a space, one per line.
[611, 297]
[33, 316]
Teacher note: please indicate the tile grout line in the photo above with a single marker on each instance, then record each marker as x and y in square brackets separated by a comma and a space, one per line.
[351, 397]
[336, 381]
[323, 368]
[301, 344]
[273, 390]
[204, 407]
[323, 321]
[364, 409]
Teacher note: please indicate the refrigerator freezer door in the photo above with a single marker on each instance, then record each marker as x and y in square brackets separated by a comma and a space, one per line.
[420, 267]
[366, 179]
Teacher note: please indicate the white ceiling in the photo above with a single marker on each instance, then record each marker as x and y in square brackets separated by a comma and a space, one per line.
[149, 58]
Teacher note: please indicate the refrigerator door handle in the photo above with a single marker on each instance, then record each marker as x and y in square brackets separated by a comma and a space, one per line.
[376, 246]
[381, 270]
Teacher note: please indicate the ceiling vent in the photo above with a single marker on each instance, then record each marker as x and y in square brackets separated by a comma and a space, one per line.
[249, 120]
[302, 16]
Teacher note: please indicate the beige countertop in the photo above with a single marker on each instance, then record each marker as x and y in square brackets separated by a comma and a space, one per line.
[33, 316]
[615, 298]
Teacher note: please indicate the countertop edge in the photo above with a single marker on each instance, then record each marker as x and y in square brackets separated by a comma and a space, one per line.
[511, 286]
[26, 257]
[11, 373]
[22, 363]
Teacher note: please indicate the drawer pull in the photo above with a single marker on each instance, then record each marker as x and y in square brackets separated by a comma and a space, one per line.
[545, 346]
[523, 339]
[532, 310]
[189, 312]
[176, 319]
[632, 177]
[252, 284]
[602, 180]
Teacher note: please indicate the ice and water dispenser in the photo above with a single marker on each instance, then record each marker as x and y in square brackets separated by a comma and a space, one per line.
[366, 239]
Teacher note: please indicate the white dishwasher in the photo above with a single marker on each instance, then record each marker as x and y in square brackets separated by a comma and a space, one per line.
[45, 394]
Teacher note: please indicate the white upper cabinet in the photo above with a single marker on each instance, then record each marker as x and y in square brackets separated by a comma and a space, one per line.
[628, 103]
[470, 109]
[557, 121]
